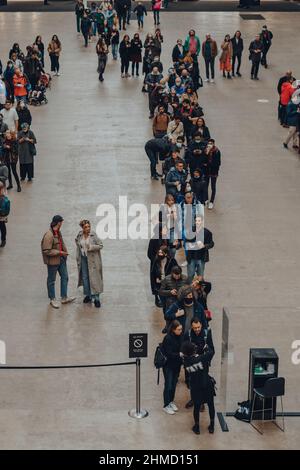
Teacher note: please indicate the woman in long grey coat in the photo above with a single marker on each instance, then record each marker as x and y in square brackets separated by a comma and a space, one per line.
[89, 263]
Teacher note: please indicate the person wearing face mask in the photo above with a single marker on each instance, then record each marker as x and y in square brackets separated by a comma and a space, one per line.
[136, 53]
[185, 308]
[194, 151]
[199, 185]
[178, 52]
[226, 56]
[10, 147]
[176, 180]
[125, 51]
[27, 151]
[192, 44]
[209, 52]
[23, 113]
[152, 81]
[89, 263]
[179, 88]
[160, 268]
[213, 163]
[158, 40]
[293, 121]
[266, 37]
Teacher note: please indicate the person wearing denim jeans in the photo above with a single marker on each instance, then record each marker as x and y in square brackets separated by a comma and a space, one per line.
[197, 243]
[115, 38]
[55, 254]
[89, 263]
[171, 347]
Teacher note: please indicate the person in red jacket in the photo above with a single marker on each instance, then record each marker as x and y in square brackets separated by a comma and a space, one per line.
[287, 90]
[20, 82]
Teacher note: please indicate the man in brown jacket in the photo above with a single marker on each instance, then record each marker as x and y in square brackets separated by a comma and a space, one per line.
[160, 123]
[209, 52]
[55, 254]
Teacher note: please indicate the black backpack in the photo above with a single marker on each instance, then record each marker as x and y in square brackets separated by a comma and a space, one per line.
[243, 413]
[160, 359]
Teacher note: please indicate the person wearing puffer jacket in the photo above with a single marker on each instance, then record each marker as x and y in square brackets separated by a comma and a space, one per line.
[176, 181]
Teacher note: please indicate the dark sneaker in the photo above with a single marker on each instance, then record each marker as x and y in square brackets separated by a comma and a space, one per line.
[97, 303]
[196, 429]
[211, 428]
[87, 299]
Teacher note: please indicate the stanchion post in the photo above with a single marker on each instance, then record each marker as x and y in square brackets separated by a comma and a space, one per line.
[137, 412]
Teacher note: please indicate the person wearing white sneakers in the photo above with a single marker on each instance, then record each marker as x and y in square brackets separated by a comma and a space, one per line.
[55, 254]
[213, 162]
[171, 346]
[209, 52]
[54, 50]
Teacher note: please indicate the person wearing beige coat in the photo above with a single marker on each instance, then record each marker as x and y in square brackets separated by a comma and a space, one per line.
[89, 263]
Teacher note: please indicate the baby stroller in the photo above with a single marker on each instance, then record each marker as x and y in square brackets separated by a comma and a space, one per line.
[38, 96]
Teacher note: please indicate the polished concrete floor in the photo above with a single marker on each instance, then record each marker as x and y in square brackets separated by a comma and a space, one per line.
[90, 151]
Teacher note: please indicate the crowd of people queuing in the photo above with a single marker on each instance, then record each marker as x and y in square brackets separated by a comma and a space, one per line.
[23, 82]
[190, 164]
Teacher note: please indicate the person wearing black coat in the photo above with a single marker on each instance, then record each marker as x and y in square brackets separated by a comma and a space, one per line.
[136, 53]
[23, 113]
[178, 52]
[33, 69]
[121, 7]
[255, 49]
[85, 27]
[198, 242]
[196, 362]
[153, 148]
[266, 37]
[171, 346]
[199, 185]
[237, 50]
[212, 166]
[160, 267]
[125, 51]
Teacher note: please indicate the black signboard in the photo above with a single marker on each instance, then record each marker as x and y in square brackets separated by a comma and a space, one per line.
[138, 345]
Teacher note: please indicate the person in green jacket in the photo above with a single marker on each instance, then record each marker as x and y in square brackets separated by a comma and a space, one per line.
[192, 44]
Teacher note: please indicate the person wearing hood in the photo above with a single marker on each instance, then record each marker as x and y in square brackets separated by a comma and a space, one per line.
[198, 242]
[196, 360]
[27, 151]
[89, 263]
[160, 268]
[176, 180]
[24, 113]
[185, 308]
